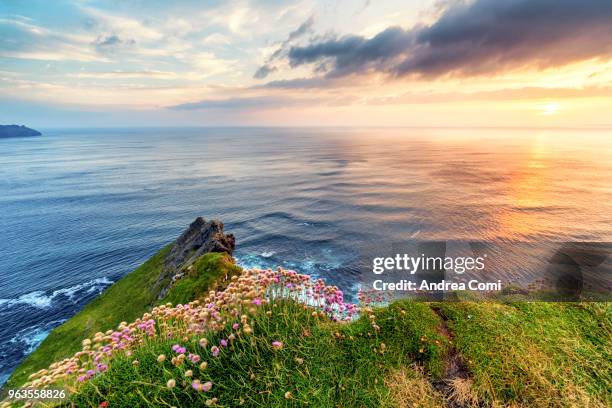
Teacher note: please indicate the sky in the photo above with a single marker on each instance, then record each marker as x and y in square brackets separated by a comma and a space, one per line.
[432, 63]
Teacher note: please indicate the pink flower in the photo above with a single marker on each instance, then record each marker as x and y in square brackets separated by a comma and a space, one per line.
[215, 351]
[201, 387]
[178, 349]
[194, 358]
[235, 326]
[223, 343]
[277, 345]
[257, 301]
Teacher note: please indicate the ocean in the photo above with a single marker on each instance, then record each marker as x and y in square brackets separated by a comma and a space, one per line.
[80, 208]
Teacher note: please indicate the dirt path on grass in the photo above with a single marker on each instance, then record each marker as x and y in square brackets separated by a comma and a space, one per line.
[455, 384]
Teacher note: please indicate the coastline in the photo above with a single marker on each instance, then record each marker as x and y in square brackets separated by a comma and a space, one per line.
[439, 336]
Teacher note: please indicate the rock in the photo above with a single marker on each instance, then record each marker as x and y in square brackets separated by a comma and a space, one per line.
[7, 131]
[201, 237]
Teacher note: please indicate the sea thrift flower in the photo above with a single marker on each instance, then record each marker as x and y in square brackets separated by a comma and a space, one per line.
[188, 373]
[178, 349]
[201, 387]
[203, 365]
[161, 358]
[171, 383]
[218, 309]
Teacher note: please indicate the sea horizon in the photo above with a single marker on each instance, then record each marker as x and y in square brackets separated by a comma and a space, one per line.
[85, 207]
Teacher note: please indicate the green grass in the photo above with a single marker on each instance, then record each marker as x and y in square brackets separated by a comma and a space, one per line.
[536, 354]
[209, 272]
[321, 363]
[126, 300]
[520, 354]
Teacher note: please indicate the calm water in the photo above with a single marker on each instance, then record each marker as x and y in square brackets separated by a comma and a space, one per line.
[79, 209]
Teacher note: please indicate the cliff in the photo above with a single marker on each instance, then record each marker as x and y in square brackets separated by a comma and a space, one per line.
[7, 131]
[278, 338]
[181, 271]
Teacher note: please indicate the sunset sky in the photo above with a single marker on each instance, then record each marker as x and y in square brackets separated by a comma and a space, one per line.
[373, 63]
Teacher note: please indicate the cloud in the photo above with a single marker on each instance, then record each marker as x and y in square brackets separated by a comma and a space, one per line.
[110, 43]
[257, 102]
[126, 74]
[268, 67]
[525, 93]
[479, 37]
[20, 38]
[304, 28]
[298, 83]
[264, 71]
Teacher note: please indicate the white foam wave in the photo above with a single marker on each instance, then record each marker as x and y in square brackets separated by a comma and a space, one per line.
[31, 337]
[41, 300]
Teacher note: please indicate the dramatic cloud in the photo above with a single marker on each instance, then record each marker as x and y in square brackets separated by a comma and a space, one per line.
[484, 36]
[269, 67]
[304, 28]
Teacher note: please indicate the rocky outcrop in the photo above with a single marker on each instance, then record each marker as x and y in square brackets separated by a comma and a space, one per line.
[201, 237]
[17, 131]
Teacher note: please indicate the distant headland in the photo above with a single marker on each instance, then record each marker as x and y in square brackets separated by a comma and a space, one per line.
[17, 131]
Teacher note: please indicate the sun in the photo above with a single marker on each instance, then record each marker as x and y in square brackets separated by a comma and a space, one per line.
[551, 109]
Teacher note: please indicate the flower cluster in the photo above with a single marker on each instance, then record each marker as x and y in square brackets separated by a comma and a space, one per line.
[231, 307]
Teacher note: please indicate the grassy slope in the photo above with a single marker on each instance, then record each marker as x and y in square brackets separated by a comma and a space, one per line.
[126, 300]
[209, 272]
[517, 353]
[526, 354]
[536, 354]
[341, 365]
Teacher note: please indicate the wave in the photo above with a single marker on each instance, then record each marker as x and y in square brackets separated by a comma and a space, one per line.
[31, 337]
[41, 300]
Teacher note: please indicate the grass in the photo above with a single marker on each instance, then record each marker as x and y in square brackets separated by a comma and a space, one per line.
[535, 354]
[209, 272]
[516, 353]
[320, 364]
[126, 300]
